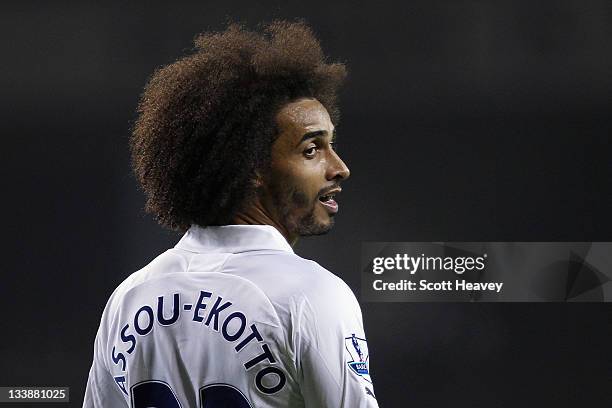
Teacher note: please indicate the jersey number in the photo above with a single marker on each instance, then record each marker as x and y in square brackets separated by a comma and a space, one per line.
[158, 394]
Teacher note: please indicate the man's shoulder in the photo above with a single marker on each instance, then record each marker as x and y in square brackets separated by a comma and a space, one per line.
[289, 278]
[287, 269]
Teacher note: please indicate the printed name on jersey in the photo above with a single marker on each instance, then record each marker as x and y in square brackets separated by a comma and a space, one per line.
[358, 363]
[221, 318]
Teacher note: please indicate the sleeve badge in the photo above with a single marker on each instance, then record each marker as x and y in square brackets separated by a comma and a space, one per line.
[358, 363]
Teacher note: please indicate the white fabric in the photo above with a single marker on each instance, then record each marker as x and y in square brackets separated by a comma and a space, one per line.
[308, 320]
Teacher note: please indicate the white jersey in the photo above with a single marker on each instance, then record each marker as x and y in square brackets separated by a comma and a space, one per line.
[231, 316]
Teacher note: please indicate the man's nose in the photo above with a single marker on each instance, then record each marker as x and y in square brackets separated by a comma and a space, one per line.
[337, 170]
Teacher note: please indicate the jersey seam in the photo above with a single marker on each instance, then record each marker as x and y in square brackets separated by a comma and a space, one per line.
[309, 343]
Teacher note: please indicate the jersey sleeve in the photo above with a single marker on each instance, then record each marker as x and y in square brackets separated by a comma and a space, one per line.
[333, 357]
[101, 389]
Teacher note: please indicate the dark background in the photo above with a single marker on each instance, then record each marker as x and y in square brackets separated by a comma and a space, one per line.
[462, 121]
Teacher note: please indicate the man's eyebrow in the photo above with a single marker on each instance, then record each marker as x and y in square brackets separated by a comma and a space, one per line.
[316, 133]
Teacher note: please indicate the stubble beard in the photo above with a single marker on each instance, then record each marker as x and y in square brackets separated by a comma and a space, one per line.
[291, 205]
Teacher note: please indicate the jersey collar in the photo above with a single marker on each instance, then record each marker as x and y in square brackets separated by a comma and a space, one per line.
[233, 239]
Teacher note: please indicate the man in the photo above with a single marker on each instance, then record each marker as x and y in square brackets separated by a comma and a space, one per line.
[235, 145]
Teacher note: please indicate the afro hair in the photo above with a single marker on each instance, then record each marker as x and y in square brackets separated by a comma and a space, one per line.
[206, 123]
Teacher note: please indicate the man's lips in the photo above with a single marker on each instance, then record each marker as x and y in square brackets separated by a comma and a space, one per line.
[330, 205]
[328, 201]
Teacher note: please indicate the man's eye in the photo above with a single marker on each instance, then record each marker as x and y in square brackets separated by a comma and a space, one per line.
[311, 151]
[334, 146]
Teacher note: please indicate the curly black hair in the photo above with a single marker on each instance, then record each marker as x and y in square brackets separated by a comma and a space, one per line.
[206, 122]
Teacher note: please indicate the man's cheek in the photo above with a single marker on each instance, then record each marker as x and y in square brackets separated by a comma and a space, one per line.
[299, 198]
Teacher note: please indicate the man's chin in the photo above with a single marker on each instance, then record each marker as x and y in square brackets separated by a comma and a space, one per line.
[311, 227]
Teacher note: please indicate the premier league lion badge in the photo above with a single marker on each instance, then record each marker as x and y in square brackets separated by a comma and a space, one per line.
[359, 356]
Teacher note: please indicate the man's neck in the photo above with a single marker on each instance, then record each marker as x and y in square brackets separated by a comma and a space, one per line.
[256, 214]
